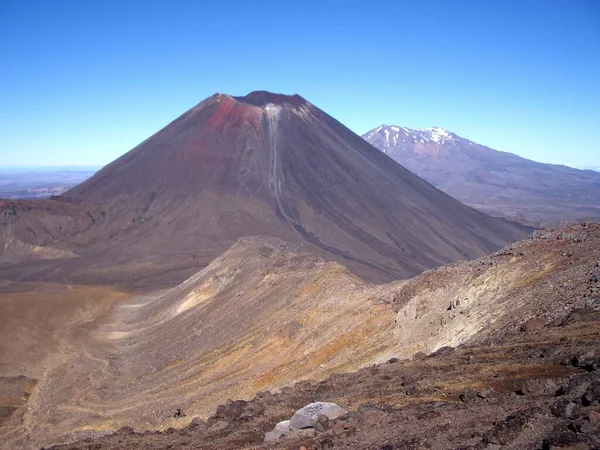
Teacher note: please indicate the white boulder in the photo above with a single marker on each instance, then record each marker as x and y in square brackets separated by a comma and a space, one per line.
[281, 429]
[307, 417]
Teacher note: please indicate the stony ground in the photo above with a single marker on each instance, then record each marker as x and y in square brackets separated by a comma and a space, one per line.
[527, 378]
[539, 388]
[264, 316]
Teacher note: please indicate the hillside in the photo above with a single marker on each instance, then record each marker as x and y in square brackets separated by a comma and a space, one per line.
[265, 315]
[260, 165]
[497, 183]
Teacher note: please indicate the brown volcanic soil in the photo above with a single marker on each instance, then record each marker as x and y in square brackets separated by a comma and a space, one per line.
[510, 395]
[36, 335]
[39, 227]
[260, 316]
[264, 316]
[266, 165]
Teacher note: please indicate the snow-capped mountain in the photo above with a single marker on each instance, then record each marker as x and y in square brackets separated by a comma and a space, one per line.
[393, 136]
[499, 183]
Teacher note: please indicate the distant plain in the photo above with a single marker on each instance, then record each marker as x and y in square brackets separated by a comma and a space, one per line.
[40, 182]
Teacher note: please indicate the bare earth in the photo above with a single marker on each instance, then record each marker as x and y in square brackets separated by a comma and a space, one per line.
[510, 396]
[265, 315]
[41, 329]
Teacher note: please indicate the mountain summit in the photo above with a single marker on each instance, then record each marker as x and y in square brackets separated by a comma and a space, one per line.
[271, 165]
[390, 138]
[498, 183]
[263, 98]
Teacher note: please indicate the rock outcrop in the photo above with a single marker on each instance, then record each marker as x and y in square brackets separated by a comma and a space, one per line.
[313, 416]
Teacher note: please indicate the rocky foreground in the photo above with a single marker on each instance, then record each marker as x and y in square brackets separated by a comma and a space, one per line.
[538, 389]
[528, 379]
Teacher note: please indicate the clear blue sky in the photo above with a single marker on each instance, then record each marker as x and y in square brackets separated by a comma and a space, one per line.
[82, 82]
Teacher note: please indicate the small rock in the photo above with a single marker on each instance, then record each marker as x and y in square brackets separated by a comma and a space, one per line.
[581, 426]
[281, 429]
[468, 395]
[322, 423]
[197, 422]
[548, 352]
[263, 394]
[124, 431]
[325, 444]
[217, 425]
[271, 436]
[594, 417]
[344, 426]
[368, 412]
[429, 405]
[577, 386]
[485, 393]
[179, 414]
[393, 360]
[589, 361]
[508, 429]
[307, 417]
[564, 408]
[532, 325]
[238, 410]
[592, 394]
[230, 411]
[419, 356]
[412, 389]
[444, 351]
[538, 386]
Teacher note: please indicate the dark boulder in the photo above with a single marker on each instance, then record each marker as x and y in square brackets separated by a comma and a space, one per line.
[565, 408]
[592, 394]
[510, 428]
[468, 395]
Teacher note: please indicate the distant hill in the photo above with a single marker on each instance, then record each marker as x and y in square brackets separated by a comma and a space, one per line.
[498, 183]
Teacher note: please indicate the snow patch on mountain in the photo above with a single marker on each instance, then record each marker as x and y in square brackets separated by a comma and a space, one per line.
[393, 134]
[439, 134]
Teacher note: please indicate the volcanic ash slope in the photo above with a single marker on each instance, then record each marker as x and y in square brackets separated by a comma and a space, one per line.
[262, 165]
